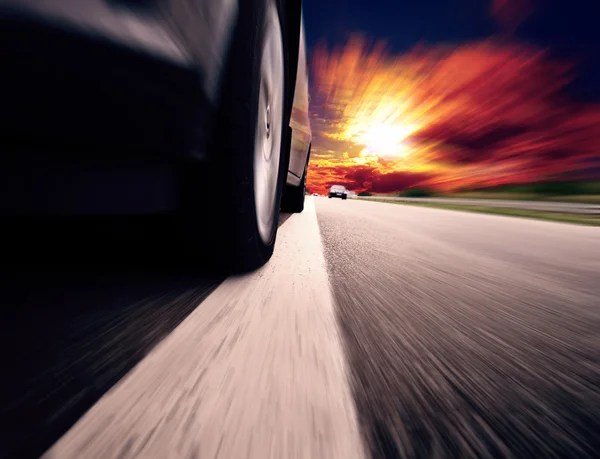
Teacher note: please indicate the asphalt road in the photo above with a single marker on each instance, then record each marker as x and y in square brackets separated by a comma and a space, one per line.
[78, 310]
[255, 371]
[544, 206]
[467, 335]
[81, 304]
[376, 330]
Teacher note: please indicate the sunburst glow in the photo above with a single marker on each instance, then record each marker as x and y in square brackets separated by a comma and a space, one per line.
[478, 114]
[386, 140]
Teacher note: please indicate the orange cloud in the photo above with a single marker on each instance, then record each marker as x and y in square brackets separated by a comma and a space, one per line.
[479, 114]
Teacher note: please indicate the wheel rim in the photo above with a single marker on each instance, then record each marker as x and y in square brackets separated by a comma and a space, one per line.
[267, 148]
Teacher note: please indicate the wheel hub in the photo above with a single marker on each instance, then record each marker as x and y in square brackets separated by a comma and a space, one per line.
[267, 151]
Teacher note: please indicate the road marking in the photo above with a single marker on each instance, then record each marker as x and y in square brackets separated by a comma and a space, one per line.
[257, 371]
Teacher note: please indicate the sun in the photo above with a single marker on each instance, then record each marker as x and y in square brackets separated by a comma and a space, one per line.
[387, 140]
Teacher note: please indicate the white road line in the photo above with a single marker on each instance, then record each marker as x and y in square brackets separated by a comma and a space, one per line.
[257, 371]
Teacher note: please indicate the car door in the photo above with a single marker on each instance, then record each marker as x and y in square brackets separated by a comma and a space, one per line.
[300, 122]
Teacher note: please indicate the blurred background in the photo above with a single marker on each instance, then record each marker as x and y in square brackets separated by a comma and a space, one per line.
[494, 96]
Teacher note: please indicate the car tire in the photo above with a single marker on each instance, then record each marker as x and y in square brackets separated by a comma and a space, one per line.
[233, 201]
[293, 196]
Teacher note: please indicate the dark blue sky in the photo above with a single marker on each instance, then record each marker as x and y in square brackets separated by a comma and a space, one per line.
[569, 28]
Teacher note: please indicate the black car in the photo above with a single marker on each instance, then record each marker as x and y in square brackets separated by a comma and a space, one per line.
[121, 107]
[338, 191]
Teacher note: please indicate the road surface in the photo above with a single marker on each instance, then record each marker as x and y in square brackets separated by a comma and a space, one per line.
[376, 330]
[543, 206]
[468, 335]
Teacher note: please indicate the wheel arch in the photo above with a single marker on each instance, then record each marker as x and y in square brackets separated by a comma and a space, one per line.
[291, 12]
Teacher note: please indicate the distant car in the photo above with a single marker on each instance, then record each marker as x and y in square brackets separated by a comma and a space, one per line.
[338, 191]
[122, 107]
[315, 194]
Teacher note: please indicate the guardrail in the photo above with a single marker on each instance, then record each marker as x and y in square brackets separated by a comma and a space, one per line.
[542, 206]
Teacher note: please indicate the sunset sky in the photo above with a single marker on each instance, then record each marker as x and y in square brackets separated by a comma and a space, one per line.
[452, 94]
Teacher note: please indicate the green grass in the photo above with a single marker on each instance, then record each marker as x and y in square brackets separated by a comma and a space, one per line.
[589, 199]
[565, 191]
[581, 219]
[554, 188]
[417, 193]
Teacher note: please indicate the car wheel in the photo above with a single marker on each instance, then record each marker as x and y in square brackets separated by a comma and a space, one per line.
[293, 196]
[243, 181]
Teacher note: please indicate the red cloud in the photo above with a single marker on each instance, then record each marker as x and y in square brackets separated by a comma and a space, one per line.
[362, 178]
[478, 114]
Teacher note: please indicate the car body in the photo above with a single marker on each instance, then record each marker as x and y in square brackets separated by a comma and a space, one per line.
[110, 105]
[338, 191]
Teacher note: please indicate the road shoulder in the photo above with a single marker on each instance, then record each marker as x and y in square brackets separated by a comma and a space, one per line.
[256, 371]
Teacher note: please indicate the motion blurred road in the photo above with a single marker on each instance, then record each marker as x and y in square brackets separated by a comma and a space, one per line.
[462, 335]
[468, 335]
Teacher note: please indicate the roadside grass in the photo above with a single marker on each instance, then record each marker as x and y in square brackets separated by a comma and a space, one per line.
[581, 219]
[586, 192]
[585, 199]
